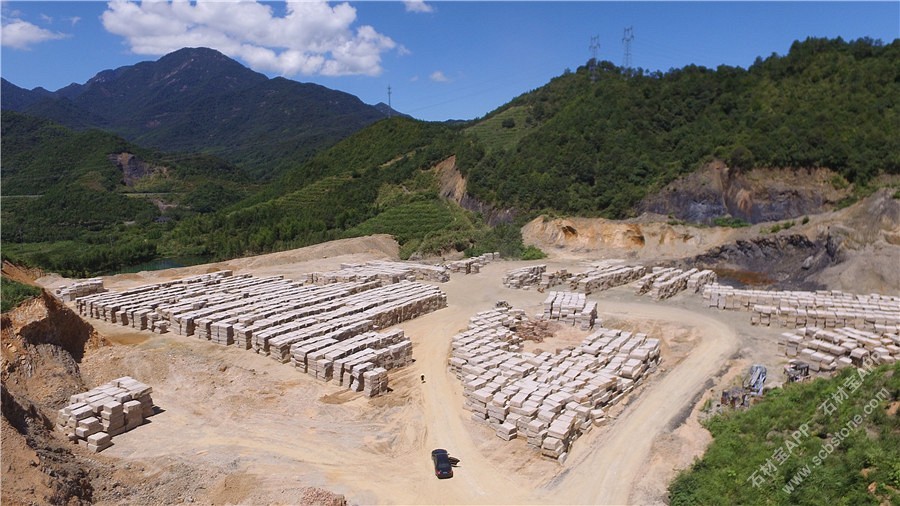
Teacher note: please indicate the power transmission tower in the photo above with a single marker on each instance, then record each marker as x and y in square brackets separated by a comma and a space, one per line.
[390, 109]
[595, 49]
[626, 41]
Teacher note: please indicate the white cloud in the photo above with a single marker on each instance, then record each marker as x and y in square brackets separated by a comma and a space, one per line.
[312, 37]
[417, 6]
[74, 20]
[438, 77]
[22, 34]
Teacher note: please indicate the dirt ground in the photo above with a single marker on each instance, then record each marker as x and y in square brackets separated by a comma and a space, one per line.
[235, 427]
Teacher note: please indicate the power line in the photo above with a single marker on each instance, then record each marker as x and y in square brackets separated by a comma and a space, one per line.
[595, 49]
[626, 41]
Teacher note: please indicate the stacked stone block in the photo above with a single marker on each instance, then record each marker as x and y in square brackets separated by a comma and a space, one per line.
[524, 277]
[473, 265]
[387, 272]
[95, 416]
[273, 315]
[827, 309]
[665, 282]
[549, 398]
[827, 350]
[571, 308]
[81, 288]
[605, 276]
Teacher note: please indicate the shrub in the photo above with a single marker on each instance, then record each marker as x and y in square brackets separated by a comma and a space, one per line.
[728, 221]
[533, 253]
[14, 293]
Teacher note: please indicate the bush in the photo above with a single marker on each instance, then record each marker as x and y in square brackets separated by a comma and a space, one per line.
[533, 253]
[13, 293]
[728, 221]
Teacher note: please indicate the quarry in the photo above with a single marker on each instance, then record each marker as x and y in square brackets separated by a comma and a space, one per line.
[339, 368]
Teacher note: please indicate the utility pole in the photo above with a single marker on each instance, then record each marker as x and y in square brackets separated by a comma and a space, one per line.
[390, 109]
[626, 41]
[595, 49]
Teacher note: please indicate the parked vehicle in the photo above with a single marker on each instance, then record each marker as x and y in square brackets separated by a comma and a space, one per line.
[442, 466]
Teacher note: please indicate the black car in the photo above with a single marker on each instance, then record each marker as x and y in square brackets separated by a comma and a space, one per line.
[442, 466]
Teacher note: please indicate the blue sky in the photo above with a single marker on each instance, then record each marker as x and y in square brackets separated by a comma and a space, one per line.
[442, 60]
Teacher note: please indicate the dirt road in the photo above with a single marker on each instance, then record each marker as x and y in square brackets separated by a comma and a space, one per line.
[604, 469]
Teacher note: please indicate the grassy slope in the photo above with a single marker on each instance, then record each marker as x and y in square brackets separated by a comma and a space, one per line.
[868, 455]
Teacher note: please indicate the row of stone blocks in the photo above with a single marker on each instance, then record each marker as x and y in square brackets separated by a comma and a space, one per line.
[665, 282]
[605, 276]
[376, 270]
[524, 277]
[827, 350]
[825, 309]
[359, 363]
[549, 398]
[271, 315]
[571, 308]
[69, 293]
[472, 265]
[95, 416]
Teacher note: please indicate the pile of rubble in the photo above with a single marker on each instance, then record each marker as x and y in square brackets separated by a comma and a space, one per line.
[827, 350]
[665, 282]
[550, 399]
[69, 293]
[826, 309]
[384, 271]
[274, 316]
[95, 416]
[473, 265]
[571, 308]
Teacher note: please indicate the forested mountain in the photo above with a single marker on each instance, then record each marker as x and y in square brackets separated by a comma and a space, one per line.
[597, 146]
[590, 142]
[199, 100]
[88, 201]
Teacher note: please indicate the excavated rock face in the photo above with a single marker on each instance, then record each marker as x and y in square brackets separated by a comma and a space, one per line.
[453, 187]
[755, 196]
[43, 341]
[784, 261]
[134, 169]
